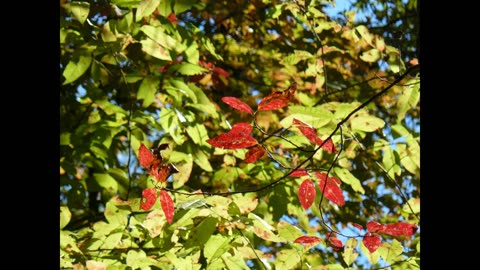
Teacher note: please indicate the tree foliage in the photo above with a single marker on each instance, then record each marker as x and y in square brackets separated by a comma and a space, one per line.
[238, 135]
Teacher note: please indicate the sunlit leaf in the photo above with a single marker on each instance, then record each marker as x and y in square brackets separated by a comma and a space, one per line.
[154, 49]
[367, 123]
[308, 241]
[349, 178]
[167, 205]
[237, 137]
[65, 216]
[80, 10]
[395, 229]
[335, 243]
[187, 69]
[148, 89]
[307, 130]
[372, 241]
[254, 153]
[216, 246]
[149, 195]
[391, 252]
[273, 101]
[299, 173]
[349, 254]
[412, 206]
[162, 172]
[75, 69]
[158, 35]
[145, 8]
[288, 231]
[372, 55]
[146, 158]
[330, 188]
[237, 104]
[306, 193]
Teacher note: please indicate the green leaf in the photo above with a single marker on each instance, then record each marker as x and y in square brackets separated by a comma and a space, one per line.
[80, 10]
[390, 162]
[158, 35]
[262, 229]
[138, 259]
[116, 214]
[366, 123]
[245, 202]
[145, 8]
[198, 133]
[219, 206]
[184, 5]
[349, 254]
[204, 104]
[408, 159]
[287, 259]
[126, 3]
[210, 48]
[107, 33]
[372, 55]
[185, 169]
[106, 181]
[216, 246]
[154, 49]
[288, 231]
[75, 69]
[65, 216]
[201, 159]
[148, 89]
[315, 116]
[204, 230]
[187, 69]
[391, 253]
[234, 262]
[365, 34]
[65, 138]
[295, 57]
[409, 99]
[345, 176]
[412, 205]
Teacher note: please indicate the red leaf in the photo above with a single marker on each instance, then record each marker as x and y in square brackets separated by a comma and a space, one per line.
[335, 243]
[161, 174]
[254, 154]
[395, 229]
[237, 137]
[167, 205]
[358, 226]
[372, 242]
[299, 173]
[373, 226]
[307, 239]
[329, 146]
[273, 101]
[172, 18]
[307, 130]
[237, 104]
[330, 188]
[221, 71]
[306, 193]
[242, 128]
[149, 196]
[146, 158]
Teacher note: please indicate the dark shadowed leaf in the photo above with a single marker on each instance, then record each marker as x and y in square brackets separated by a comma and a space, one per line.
[372, 241]
[254, 153]
[330, 188]
[237, 104]
[306, 193]
[149, 195]
[167, 205]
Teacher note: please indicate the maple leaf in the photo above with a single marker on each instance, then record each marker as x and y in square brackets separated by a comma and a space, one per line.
[237, 104]
[306, 193]
[254, 153]
[167, 205]
[371, 241]
[299, 173]
[149, 195]
[237, 137]
[330, 188]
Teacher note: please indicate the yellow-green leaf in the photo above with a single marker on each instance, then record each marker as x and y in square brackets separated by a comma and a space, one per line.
[145, 8]
[349, 254]
[148, 89]
[158, 35]
[366, 123]
[154, 49]
[75, 69]
[372, 55]
[409, 98]
[65, 216]
[345, 176]
[412, 205]
[80, 10]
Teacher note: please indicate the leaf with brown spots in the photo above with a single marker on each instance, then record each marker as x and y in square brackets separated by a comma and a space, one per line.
[306, 193]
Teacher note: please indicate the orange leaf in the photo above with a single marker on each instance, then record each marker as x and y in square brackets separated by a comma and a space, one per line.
[167, 205]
